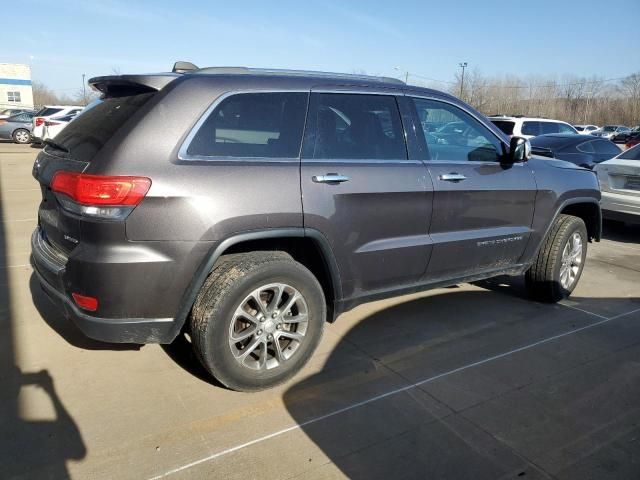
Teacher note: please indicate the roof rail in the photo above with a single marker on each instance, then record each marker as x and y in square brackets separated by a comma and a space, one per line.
[291, 73]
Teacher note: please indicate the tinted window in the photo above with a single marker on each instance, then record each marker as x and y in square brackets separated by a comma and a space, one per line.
[606, 148]
[549, 127]
[631, 154]
[564, 128]
[47, 111]
[348, 126]
[87, 134]
[531, 128]
[253, 125]
[462, 137]
[505, 126]
[580, 128]
[586, 147]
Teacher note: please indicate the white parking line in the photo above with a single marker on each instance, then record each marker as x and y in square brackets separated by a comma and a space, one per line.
[391, 392]
[21, 220]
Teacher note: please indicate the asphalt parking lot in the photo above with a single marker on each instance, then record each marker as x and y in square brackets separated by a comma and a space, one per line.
[474, 381]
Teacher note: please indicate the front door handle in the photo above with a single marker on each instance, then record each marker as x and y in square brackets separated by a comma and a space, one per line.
[330, 178]
[452, 177]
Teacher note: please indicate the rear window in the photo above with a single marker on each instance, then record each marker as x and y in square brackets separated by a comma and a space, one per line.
[253, 125]
[47, 111]
[97, 123]
[631, 154]
[506, 127]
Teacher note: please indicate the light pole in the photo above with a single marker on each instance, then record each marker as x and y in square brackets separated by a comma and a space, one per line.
[462, 65]
[586, 110]
[406, 74]
[84, 91]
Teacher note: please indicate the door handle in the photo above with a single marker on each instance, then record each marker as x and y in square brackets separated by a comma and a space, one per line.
[452, 177]
[330, 178]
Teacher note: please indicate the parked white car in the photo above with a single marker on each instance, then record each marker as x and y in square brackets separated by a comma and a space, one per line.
[620, 185]
[530, 127]
[48, 112]
[586, 129]
[54, 125]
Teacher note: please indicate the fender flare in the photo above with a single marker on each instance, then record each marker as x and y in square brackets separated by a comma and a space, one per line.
[215, 253]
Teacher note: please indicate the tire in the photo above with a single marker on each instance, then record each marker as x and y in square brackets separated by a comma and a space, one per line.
[549, 279]
[21, 136]
[227, 305]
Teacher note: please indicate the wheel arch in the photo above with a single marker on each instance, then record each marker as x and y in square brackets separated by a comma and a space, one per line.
[307, 246]
[588, 209]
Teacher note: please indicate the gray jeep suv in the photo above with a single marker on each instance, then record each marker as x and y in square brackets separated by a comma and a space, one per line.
[247, 207]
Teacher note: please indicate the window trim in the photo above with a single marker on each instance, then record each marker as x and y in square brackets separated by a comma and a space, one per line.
[505, 147]
[182, 152]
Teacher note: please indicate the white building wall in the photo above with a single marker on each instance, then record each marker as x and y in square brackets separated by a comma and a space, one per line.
[15, 78]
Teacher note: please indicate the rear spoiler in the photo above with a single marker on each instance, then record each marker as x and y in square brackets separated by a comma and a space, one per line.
[127, 84]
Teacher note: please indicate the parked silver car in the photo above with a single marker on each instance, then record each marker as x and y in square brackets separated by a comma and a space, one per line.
[608, 131]
[620, 184]
[17, 127]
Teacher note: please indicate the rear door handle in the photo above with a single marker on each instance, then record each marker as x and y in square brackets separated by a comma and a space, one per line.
[330, 178]
[452, 177]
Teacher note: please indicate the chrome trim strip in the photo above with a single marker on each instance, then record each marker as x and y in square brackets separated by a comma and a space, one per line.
[55, 261]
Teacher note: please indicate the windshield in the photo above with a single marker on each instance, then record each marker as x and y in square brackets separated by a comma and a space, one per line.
[97, 123]
[609, 128]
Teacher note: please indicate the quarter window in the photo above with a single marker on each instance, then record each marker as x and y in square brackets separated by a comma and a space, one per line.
[586, 147]
[250, 125]
[454, 135]
[13, 97]
[354, 126]
[604, 147]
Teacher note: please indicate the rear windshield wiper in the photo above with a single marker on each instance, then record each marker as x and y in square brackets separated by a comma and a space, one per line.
[56, 145]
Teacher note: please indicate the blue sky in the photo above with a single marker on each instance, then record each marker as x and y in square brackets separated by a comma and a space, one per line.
[67, 38]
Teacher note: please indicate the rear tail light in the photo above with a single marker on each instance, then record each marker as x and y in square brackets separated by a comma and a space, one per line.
[39, 121]
[110, 197]
[85, 302]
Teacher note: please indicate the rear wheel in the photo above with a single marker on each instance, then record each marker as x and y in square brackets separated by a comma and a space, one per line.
[21, 136]
[257, 320]
[560, 261]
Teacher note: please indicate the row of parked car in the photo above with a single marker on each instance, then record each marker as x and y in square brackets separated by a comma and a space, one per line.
[29, 126]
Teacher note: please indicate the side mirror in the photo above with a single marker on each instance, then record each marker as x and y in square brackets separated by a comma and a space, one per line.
[519, 150]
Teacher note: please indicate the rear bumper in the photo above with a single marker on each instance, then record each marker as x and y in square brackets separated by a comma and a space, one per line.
[50, 268]
[620, 207]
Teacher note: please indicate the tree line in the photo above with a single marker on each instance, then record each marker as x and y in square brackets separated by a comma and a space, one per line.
[576, 100]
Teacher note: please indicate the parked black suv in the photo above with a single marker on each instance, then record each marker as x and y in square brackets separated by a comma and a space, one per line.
[248, 207]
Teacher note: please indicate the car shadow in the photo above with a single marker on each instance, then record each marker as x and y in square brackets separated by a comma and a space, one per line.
[53, 317]
[181, 352]
[368, 426]
[32, 444]
[621, 232]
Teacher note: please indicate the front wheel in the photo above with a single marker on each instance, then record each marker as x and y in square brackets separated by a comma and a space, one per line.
[21, 136]
[560, 261]
[257, 320]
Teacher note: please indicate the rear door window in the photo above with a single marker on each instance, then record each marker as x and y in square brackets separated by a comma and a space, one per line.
[505, 126]
[253, 125]
[531, 128]
[354, 126]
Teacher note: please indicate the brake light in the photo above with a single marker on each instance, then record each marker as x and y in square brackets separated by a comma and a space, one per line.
[85, 302]
[39, 121]
[101, 190]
